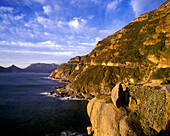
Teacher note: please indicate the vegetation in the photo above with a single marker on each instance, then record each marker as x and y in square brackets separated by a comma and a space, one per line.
[108, 99]
[161, 73]
[136, 115]
[151, 107]
[97, 77]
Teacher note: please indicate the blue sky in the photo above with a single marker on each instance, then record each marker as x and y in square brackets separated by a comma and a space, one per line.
[53, 31]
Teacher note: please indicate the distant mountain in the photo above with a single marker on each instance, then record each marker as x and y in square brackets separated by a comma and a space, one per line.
[37, 68]
[14, 69]
[4, 70]
[41, 68]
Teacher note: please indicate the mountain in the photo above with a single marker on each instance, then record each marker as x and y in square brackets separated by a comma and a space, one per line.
[14, 69]
[137, 53]
[41, 67]
[37, 68]
[4, 70]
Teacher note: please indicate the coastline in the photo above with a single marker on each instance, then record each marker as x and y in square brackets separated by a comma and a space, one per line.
[63, 98]
[63, 93]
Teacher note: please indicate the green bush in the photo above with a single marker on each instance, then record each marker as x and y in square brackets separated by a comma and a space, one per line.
[136, 115]
[108, 99]
[161, 73]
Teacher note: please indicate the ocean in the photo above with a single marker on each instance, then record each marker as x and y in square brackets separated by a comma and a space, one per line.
[26, 111]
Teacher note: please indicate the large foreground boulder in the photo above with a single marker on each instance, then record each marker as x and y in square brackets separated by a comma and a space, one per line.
[105, 120]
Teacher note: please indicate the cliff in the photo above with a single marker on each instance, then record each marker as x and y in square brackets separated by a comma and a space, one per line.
[134, 54]
[135, 111]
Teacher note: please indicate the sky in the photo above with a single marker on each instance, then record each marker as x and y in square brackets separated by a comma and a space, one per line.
[53, 31]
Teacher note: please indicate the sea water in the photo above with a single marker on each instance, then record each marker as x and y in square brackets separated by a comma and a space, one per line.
[26, 110]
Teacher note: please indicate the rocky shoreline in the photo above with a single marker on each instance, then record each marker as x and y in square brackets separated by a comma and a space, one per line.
[62, 92]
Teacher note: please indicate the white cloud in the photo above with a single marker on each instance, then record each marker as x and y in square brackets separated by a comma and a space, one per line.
[45, 44]
[77, 25]
[18, 17]
[6, 9]
[105, 31]
[139, 5]
[40, 1]
[96, 1]
[47, 10]
[45, 21]
[113, 5]
[74, 23]
[39, 52]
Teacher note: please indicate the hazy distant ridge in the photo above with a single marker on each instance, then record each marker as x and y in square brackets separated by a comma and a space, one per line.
[36, 67]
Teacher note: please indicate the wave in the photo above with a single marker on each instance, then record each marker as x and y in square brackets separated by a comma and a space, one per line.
[59, 80]
[62, 98]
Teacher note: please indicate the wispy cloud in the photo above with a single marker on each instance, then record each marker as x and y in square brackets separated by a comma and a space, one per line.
[45, 44]
[6, 9]
[71, 26]
[113, 5]
[139, 5]
[38, 52]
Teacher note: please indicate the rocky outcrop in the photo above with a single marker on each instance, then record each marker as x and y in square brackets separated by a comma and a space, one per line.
[119, 97]
[107, 120]
[63, 71]
[147, 112]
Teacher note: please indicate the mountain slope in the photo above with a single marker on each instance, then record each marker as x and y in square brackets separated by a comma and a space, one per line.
[14, 69]
[4, 70]
[132, 54]
[41, 67]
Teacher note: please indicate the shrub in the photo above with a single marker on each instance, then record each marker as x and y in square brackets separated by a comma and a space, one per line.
[108, 99]
[136, 115]
[151, 107]
[161, 73]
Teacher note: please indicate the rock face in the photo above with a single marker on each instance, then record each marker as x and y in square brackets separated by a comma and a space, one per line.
[129, 127]
[120, 97]
[108, 120]
[146, 114]
[131, 54]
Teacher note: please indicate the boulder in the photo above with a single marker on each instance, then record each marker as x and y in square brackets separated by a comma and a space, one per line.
[130, 127]
[102, 117]
[117, 95]
[107, 120]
